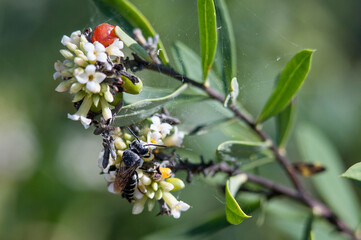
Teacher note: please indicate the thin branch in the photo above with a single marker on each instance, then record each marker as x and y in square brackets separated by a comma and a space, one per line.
[299, 194]
[318, 208]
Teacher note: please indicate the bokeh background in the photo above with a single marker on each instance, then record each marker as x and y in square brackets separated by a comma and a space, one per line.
[50, 187]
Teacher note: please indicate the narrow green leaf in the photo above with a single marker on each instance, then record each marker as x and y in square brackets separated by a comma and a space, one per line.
[129, 13]
[354, 172]
[234, 213]
[284, 122]
[238, 150]
[208, 34]
[226, 49]
[307, 234]
[336, 192]
[291, 79]
[140, 110]
[132, 44]
[189, 64]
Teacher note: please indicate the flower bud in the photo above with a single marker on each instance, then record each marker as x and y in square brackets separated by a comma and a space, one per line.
[64, 85]
[151, 204]
[76, 87]
[158, 194]
[80, 62]
[166, 186]
[67, 54]
[120, 144]
[139, 205]
[79, 96]
[150, 193]
[176, 182]
[155, 186]
[130, 87]
[146, 180]
[71, 46]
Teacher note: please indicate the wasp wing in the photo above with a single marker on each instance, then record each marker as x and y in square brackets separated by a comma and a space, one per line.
[123, 176]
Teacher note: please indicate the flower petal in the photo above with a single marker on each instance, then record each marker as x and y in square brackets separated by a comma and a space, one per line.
[90, 69]
[82, 78]
[93, 86]
[88, 47]
[99, 77]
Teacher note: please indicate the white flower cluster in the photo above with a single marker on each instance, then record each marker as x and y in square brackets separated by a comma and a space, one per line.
[81, 74]
[151, 186]
[159, 134]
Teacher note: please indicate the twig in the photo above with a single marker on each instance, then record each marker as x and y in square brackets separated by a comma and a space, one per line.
[299, 194]
[317, 207]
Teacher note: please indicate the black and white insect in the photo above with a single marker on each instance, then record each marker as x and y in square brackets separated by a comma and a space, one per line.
[126, 178]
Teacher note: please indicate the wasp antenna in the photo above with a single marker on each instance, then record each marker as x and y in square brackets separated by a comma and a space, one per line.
[130, 130]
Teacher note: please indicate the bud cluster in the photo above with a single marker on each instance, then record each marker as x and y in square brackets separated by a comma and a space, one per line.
[94, 74]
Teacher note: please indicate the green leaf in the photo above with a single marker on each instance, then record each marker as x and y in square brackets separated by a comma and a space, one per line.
[234, 213]
[129, 13]
[336, 192]
[208, 127]
[208, 34]
[226, 48]
[141, 110]
[284, 122]
[132, 44]
[307, 234]
[209, 226]
[189, 64]
[291, 79]
[238, 150]
[354, 172]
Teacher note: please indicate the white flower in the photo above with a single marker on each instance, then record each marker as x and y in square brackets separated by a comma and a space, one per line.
[74, 38]
[176, 207]
[114, 48]
[154, 138]
[175, 140]
[163, 128]
[91, 78]
[95, 52]
[83, 112]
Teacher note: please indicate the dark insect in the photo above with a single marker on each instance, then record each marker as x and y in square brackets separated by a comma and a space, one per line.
[308, 169]
[126, 178]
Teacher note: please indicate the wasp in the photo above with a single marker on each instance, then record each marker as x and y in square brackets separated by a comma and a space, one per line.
[126, 178]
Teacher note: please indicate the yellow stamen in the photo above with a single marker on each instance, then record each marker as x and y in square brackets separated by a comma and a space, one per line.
[166, 172]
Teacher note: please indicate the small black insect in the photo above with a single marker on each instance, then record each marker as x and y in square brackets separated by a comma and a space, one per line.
[126, 178]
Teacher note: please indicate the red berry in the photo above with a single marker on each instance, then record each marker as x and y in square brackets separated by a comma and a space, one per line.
[105, 34]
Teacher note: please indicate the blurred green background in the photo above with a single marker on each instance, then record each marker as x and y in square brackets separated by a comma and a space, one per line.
[50, 187]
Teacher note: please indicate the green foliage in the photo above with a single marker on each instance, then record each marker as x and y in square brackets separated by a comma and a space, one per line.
[132, 44]
[234, 213]
[141, 110]
[239, 150]
[291, 79]
[337, 192]
[208, 34]
[129, 13]
[284, 122]
[189, 64]
[354, 172]
[226, 48]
